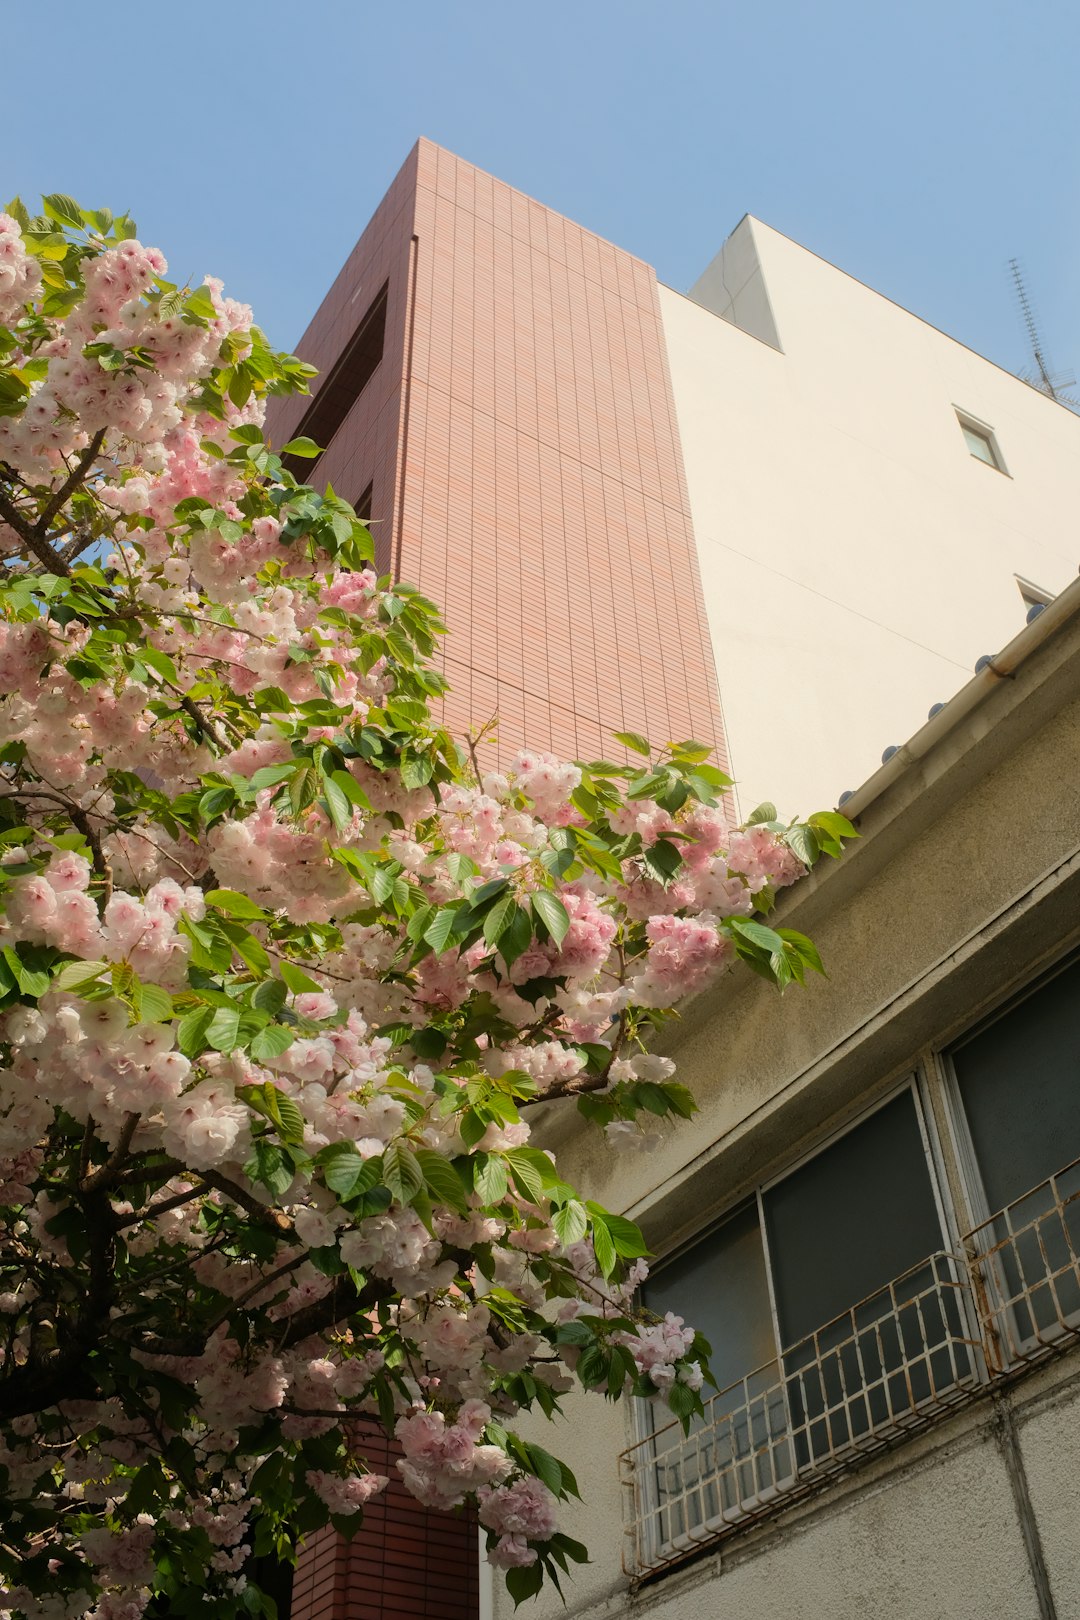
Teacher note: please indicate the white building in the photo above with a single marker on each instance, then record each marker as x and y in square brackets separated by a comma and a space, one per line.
[875, 1217]
[874, 508]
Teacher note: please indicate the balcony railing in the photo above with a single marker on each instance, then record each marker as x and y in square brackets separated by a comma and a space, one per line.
[935, 1338]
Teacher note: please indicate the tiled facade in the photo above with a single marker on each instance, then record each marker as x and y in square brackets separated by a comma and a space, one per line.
[520, 438]
[520, 434]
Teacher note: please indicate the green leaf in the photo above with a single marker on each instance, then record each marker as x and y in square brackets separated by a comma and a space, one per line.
[416, 770]
[831, 821]
[270, 996]
[297, 980]
[274, 1105]
[546, 1468]
[461, 867]
[516, 937]
[77, 976]
[662, 860]
[351, 789]
[146, 1489]
[806, 948]
[269, 1166]
[490, 1180]
[223, 1030]
[443, 1181]
[337, 803]
[523, 1583]
[439, 929]
[235, 904]
[570, 1223]
[345, 1172]
[17, 209]
[160, 663]
[603, 1246]
[270, 775]
[528, 1178]
[305, 448]
[63, 209]
[418, 922]
[635, 741]
[401, 1172]
[290, 1119]
[684, 1403]
[552, 913]
[191, 1030]
[757, 934]
[155, 1005]
[764, 812]
[201, 304]
[802, 841]
[271, 1042]
[499, 918]
[624, 1234]
[31, 980]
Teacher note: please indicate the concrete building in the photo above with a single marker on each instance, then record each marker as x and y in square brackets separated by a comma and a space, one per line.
[874, 506]
[875, 1217]
[784, 516]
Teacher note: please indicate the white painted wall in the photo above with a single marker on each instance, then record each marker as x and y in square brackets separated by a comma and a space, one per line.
[856, 559]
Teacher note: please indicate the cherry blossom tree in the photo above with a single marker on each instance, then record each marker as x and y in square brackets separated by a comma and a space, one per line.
[283, 972]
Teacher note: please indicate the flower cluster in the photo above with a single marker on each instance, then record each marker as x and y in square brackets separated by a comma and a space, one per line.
[282, 973]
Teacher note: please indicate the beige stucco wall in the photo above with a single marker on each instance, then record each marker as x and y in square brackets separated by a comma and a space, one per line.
[856, 559]
[967, 877]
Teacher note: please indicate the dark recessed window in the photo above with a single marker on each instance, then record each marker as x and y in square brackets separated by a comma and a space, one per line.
[344, 384]
[362, 503]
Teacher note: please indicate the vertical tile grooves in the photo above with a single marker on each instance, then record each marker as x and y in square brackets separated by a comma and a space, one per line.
[394, 562]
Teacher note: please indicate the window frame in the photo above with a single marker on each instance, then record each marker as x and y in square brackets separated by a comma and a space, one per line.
[982, 430]
[963, 1214]
[1032, 595]
[642, 1426]
[977, 1210]
[976, 1206]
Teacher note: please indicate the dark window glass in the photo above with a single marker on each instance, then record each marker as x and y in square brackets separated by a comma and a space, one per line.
[1019, 1080]
[852, 1218]
[362, 503]
[739, 1455]
[1020, 1086]
[870, 1323]
[720, 1287]
[342, 386]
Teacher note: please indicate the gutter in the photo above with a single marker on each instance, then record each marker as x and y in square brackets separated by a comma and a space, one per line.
[1002, 667]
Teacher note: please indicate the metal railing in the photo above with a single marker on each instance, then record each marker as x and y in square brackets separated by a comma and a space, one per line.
[1025, 1270]
[934, 1338]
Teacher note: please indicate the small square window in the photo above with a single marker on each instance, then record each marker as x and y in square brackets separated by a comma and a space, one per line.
[981, 442]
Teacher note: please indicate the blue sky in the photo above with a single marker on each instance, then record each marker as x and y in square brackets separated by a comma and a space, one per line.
[918, 146]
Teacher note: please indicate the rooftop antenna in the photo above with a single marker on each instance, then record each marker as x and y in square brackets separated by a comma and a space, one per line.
[1040, 375]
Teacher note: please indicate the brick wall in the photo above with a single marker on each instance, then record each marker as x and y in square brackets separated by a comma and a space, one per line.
[405, 1564]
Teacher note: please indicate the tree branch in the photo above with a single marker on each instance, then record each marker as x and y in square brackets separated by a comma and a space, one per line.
[40, 548]
[70, 484]
[280, 1225]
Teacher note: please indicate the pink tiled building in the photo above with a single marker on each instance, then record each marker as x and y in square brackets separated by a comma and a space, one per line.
[494, 392]
[494, 396]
